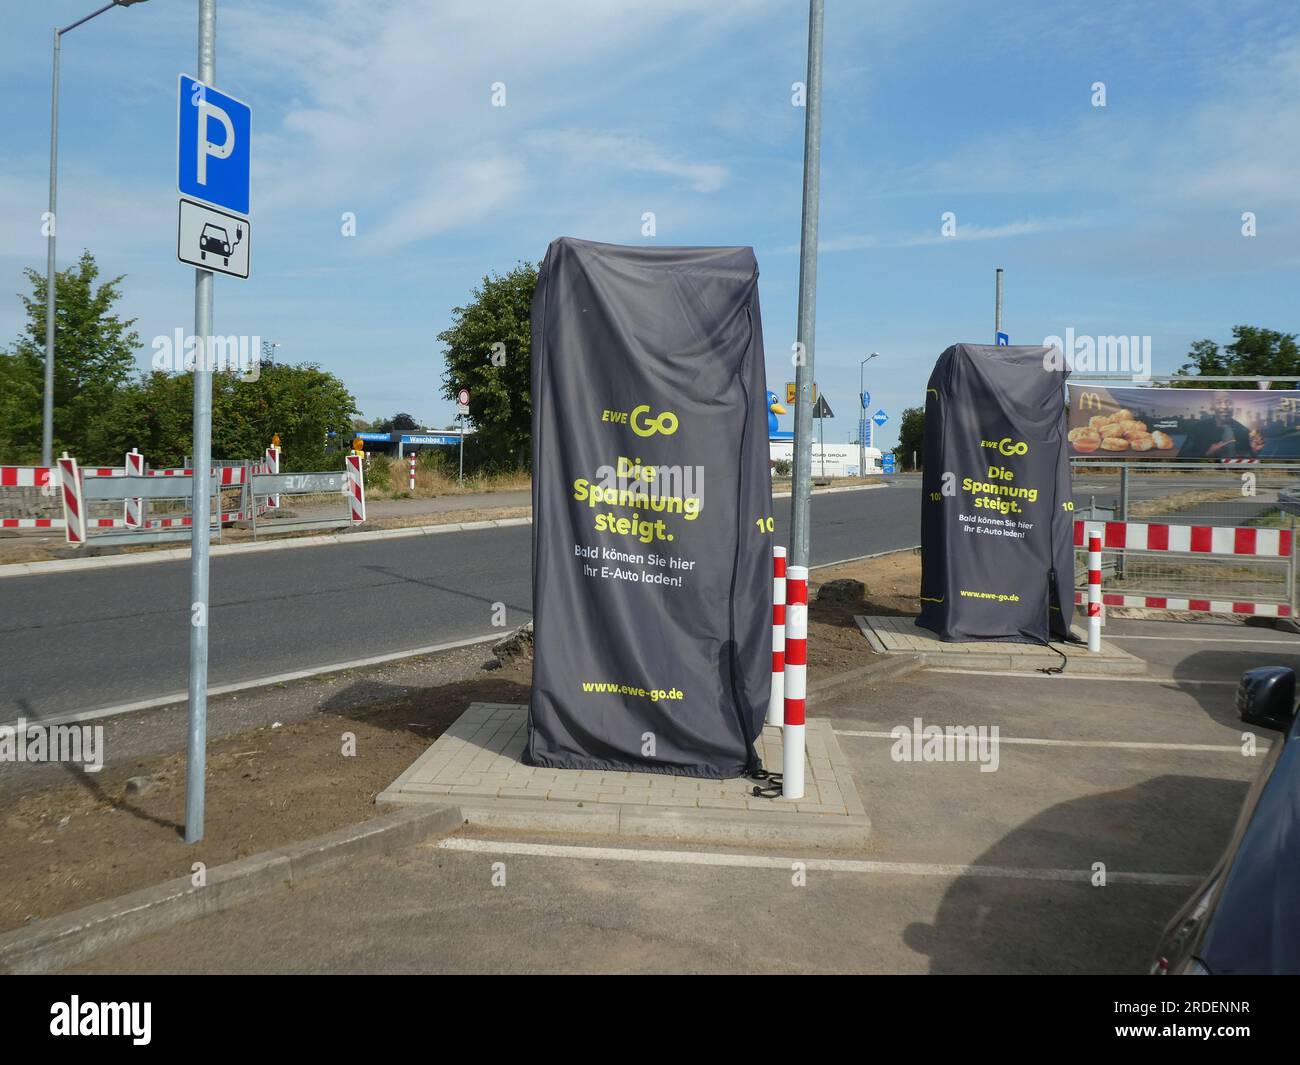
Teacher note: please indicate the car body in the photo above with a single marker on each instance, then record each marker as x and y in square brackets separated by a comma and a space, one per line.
[1245, 916]
[214, 239]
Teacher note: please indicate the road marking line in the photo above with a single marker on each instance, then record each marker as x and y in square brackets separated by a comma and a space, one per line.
[1173, 681]
[257, 682]
[1108, 744]
[830, 865]
[1205, 639]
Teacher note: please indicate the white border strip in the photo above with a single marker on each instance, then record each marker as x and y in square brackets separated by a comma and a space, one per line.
[67, 565]
[1122, 745]
[258, 682]
[1173, 682]
[830, 865]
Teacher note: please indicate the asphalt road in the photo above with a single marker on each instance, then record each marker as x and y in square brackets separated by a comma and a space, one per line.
[102, 637]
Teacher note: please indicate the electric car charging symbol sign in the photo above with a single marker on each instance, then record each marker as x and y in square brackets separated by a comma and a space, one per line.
[212, 173]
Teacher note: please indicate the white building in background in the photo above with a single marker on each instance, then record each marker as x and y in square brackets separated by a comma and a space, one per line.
[841, 460]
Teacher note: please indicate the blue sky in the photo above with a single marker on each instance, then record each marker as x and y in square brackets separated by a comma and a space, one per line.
[1117, 220]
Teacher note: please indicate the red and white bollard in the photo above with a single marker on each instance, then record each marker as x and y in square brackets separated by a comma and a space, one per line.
[134, 506]
[776, 701]
[796, 681]
[411, 467]
[1094, 593]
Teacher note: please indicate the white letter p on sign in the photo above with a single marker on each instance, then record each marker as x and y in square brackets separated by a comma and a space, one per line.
[205, 145]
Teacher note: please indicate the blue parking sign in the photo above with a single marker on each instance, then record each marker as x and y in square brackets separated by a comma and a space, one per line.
[213, 146]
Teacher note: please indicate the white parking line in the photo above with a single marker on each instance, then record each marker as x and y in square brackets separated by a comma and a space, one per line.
[829, 865]
[1123, 745]
[1173, 681]
[1204, 639]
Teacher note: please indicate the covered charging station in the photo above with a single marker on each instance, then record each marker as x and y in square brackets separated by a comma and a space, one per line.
[652, 511]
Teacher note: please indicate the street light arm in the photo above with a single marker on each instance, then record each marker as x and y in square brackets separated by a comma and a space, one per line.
[107, 7]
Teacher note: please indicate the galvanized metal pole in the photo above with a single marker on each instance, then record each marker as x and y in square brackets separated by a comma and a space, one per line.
[196, 746]
[997, 308]
[801, 488]
[47, 402]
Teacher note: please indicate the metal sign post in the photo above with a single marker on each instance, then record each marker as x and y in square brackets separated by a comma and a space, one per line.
[997, 308]
[801, 488]
[462, 409]
[197, 730]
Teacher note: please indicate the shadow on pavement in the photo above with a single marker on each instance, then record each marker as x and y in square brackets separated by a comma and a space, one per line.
[1168, 824]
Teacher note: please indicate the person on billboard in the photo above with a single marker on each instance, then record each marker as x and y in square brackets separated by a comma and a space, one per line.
[1220, 437]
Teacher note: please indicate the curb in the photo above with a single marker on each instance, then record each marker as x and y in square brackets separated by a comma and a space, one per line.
[61, 941]
[65, 565]
[891, 666]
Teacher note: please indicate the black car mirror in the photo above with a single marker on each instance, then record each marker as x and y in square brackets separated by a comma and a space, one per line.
[1266, 697]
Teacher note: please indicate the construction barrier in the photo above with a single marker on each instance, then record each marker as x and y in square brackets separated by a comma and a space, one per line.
[1205, 569]
[356, 488]
[796, 682]
[259, 485]
[776, 700]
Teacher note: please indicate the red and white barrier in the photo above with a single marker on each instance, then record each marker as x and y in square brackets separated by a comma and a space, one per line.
[411, 464]
[74, 505]
[29, 476]
[776, 701]
[796, 682]
[356, 488]
[134, 506]
[1094, 593]
[1188, 539]
[1193, 606]
[271, 464]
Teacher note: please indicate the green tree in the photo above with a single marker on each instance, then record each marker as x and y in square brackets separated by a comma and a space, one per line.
[94, 356]
[303, 404]
[498, 378]
[911, 437]
[1254, 352]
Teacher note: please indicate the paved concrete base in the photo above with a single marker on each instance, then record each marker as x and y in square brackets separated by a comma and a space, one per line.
[476, 765]
[902, 636]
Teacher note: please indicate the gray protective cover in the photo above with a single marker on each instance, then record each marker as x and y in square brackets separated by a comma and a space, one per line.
[997, 519]
[649, 402]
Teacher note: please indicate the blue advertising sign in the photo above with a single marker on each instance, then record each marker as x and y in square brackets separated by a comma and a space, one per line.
[887, 462]
[880, 417]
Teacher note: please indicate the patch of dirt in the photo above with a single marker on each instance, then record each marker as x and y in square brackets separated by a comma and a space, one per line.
[71, 845]
[893, 585]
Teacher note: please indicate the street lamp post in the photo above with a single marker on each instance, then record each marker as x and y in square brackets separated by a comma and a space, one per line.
[862, 415]
[51, 225]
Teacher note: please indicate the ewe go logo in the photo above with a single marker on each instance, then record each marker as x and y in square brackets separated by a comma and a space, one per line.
[1006, 446]
[643, 423]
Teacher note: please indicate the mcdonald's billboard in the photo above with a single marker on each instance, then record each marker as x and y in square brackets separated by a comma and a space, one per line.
[1160, 424]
